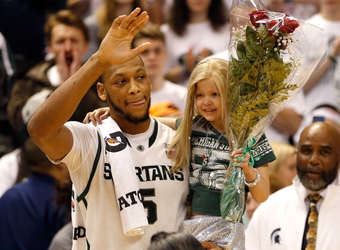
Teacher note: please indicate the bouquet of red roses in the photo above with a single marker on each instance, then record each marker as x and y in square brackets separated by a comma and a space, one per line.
[267, 68]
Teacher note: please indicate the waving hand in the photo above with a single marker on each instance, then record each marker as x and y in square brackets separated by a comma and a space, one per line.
[116, 46]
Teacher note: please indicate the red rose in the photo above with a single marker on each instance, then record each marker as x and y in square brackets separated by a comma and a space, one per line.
[256, 16]
[271, 25]
[289, 25]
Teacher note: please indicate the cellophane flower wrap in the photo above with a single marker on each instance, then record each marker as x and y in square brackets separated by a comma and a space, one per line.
[268, 66]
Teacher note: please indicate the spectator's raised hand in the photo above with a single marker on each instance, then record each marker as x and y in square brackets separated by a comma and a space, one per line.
[68, 61]
[203, 54]
[190, 60]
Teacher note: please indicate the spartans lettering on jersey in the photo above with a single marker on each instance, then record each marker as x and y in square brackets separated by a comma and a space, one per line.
[158, 172]
[150, 173]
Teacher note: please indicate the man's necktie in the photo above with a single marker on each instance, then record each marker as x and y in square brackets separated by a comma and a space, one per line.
[309, 240]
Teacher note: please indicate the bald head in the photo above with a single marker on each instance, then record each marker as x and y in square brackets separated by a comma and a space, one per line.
[318, 155]
[327, 133]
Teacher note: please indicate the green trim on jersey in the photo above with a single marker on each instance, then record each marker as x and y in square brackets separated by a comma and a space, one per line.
[153, 137]
[81, 197]
[88, 245]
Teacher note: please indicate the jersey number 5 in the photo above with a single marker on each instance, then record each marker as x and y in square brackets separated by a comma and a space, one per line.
[149, 205]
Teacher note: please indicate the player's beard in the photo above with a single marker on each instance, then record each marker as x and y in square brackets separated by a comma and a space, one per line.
[327, 178]
[130, 117]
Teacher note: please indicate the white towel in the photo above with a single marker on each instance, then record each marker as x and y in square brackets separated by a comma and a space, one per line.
[125, 181]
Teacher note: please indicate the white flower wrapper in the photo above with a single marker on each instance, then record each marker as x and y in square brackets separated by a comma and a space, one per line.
[268, 66]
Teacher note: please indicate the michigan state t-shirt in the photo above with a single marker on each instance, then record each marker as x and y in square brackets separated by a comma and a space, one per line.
[210, 157]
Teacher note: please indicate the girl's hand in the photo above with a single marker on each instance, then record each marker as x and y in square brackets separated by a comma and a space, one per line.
[96, 116]
[237, 156]
[210, 245]
[260, 191]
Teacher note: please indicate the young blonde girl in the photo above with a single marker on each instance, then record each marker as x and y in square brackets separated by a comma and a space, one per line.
[201, 144]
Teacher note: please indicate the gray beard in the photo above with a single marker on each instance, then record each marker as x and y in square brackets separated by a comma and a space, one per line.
[315, 185]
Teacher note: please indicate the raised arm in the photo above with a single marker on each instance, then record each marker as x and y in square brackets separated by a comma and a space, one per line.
[46, 127]
[324, 67]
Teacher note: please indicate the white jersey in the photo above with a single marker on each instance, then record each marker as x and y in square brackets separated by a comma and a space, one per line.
[95, 214]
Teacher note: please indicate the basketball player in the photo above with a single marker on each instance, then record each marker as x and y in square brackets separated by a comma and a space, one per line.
[85, 149]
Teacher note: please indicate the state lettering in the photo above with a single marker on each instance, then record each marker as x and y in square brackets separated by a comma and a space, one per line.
[131, 198]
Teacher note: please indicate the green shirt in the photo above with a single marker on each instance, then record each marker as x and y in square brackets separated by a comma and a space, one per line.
[210, 157]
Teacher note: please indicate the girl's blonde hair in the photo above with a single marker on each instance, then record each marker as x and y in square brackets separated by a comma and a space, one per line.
[216, 70]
